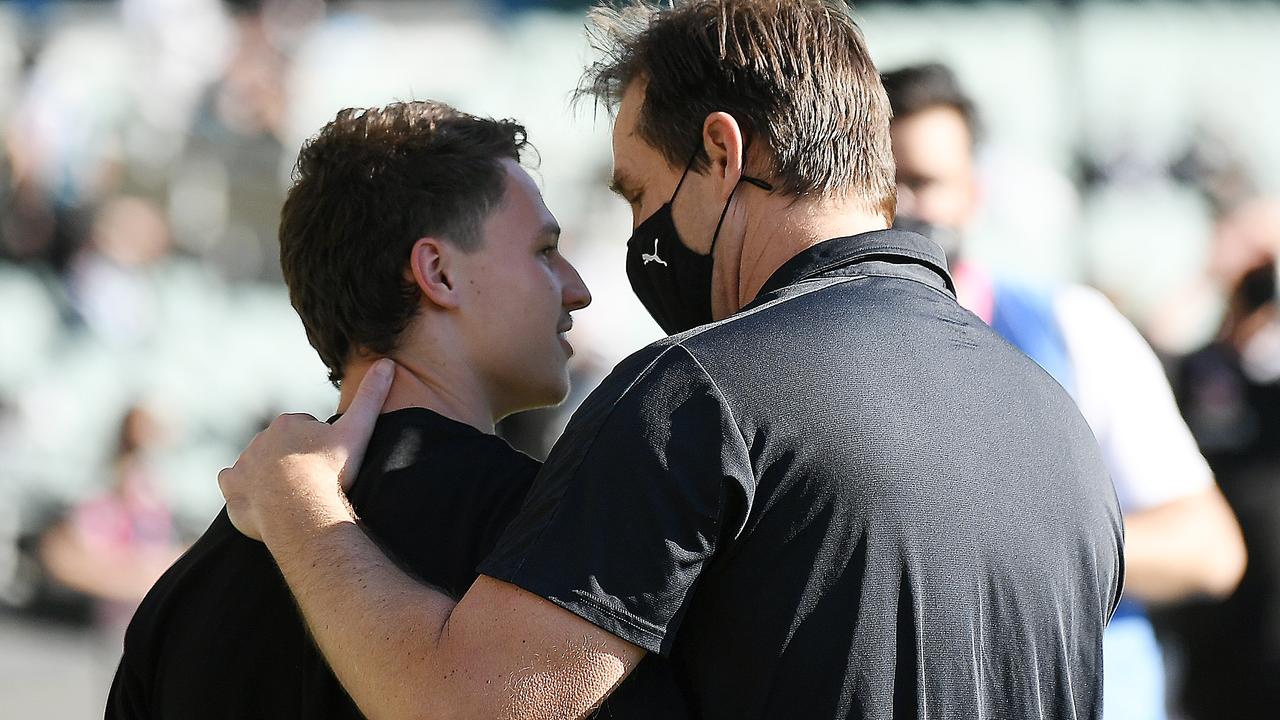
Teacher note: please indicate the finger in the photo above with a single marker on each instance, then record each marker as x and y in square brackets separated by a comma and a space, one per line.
[356, 424]
[234, 509]
[287, 418]
[224, 479]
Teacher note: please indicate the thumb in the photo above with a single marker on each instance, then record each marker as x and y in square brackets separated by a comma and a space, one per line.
[356, 424]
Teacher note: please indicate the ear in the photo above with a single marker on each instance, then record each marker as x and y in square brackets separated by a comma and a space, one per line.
[722, 140]
[430, 261]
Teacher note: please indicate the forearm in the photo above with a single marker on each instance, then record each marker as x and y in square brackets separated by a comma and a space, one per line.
[1187, 548]
[401, 649]
[377, 627]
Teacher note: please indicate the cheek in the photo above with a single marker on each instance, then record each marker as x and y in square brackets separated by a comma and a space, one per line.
[644, 211]
[528, 292]
[944, 203]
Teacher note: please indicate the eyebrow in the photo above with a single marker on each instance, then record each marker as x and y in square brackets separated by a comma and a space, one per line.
[550, 229]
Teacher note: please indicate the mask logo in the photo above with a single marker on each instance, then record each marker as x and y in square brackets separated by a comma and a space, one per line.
[647, 258]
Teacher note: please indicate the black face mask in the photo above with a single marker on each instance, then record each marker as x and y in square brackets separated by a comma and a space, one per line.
[672, 281]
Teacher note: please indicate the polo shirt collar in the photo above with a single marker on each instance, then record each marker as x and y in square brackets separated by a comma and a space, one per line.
[900, 246]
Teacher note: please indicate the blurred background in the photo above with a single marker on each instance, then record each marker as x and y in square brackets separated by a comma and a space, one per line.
[145, 334]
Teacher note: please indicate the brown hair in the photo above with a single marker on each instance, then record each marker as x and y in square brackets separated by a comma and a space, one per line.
[916, 88]
[365, 189]
[795, 74]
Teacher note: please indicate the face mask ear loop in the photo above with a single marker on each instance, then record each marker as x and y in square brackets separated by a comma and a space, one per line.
[741, 179]
[745, 178]
[725, 211]
[685, 174]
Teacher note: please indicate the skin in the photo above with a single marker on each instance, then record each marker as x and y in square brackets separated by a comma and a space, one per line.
[1244, 239]
[1182, 549]
[932, 150]
[499, 651]
[761, 231]
[489, 339]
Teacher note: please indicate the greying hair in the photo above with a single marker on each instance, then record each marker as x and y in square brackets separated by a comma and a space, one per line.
[795, 74]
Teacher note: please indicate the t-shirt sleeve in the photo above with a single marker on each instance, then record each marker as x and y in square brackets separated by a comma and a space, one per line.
[1124, 394]
[649, 477]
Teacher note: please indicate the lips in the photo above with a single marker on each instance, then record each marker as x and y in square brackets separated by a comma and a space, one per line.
[560, 333]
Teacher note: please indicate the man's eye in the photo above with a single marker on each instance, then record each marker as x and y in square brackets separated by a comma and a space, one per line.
[920, 184]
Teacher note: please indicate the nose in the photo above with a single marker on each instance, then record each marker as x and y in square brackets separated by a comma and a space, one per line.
[574, 295]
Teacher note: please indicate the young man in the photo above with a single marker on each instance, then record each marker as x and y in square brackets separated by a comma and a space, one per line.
[411, 232]
[1182, 541]
[831, 493]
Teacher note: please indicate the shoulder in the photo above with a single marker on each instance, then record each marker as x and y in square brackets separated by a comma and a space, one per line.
[647, 374]
[1013, 295]
[419, 457]
[1096, 331]
[1078, 304]
[498, 458]
[191, 591]
[659, 393]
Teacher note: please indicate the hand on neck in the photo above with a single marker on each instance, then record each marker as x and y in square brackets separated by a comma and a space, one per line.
[779, 229]
[426, 385]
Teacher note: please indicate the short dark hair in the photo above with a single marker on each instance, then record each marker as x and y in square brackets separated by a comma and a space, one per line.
[795, 74]
[365, 189]
[917, 88]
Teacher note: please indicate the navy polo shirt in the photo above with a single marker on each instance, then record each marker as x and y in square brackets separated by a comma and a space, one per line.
[849, 499]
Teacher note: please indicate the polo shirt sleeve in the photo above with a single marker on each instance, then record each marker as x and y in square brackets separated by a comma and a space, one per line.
[1124, 394]
[649, 479]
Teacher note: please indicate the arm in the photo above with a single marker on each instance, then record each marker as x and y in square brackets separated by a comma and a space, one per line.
[1184, 548]
[1181, 538]
[402, 649]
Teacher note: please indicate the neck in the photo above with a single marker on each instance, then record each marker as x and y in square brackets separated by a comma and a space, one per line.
[779, 230]
[446, 388]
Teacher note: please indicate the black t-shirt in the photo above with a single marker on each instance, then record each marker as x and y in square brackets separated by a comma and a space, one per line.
[851, 499]
[219, 636]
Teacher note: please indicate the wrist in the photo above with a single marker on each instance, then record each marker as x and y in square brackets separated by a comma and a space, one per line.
[313, 502]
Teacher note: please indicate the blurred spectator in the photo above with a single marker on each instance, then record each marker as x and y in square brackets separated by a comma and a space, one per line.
[34, 230]
[229, 183]
[114, 546]
[1230, 394]
[1181, 540]
[1194, 310]
[108, 282]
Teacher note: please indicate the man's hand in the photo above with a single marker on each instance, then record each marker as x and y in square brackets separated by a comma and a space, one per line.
[298, 466]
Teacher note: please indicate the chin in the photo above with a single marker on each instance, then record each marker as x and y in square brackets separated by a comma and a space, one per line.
[557, 392]
[543, 392]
